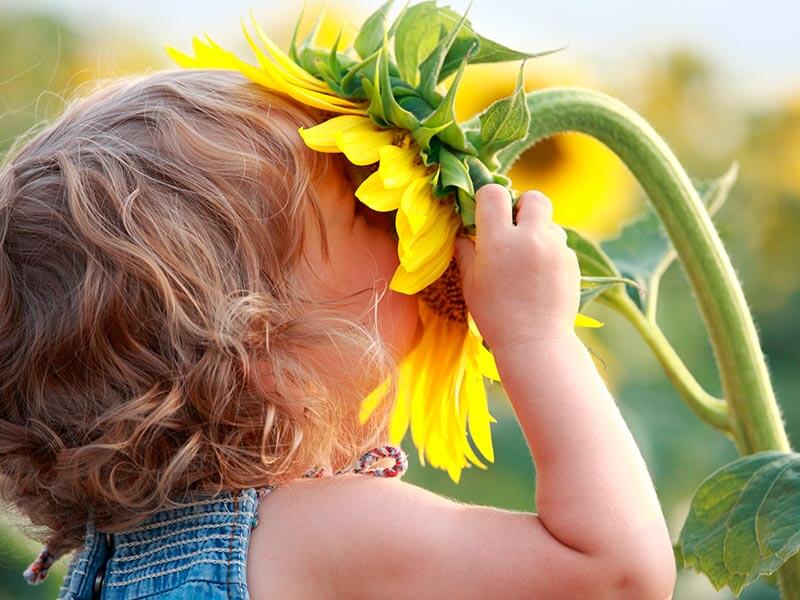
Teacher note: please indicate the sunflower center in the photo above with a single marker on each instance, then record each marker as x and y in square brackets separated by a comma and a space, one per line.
[444, 296]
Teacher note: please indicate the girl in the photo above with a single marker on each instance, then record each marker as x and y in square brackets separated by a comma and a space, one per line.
[192, 304]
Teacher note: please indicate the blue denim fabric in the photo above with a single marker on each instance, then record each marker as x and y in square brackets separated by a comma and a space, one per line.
[193, 552]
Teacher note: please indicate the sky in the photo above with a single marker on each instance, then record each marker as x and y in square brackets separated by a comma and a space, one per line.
[755, 46]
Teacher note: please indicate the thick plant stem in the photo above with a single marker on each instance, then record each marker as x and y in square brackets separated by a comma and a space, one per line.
[755, 418]
[710, 409]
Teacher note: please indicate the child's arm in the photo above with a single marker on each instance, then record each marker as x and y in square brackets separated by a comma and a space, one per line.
[521, 283]
[599, 532]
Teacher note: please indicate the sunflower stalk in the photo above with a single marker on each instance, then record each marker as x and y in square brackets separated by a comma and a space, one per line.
[754, 419]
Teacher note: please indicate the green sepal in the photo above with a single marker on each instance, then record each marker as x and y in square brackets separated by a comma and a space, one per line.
[400, 90]
[295, 31]
[334, 64]
[454, 173]
[423, 135]
[323, 71]
[445, 112]
[504, 122]
[351, 83]
[370, 37]
[415, 38]
[309, 58]
[501, 179]
[373, 90]
[393, 112]
[306, 55]
[488, 51]
[430, 68]
[492, 52]
[478, 172]
[466, 207]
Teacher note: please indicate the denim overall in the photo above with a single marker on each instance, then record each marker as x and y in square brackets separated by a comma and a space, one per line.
[192, 552]
[199, 551]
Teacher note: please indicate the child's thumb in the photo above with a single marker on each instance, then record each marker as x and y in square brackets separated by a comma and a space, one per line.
[464, 252]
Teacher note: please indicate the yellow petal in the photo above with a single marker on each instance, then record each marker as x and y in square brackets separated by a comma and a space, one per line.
[418, 203]
[479, 417]
[361, 143]
[486, 363]
[410, 282]
[399, 166]
[431, 242]
[372, 193]
[212, 55]
[285, 62]
[181, 58]
[290, 82]
[322, 137]
[585, 321]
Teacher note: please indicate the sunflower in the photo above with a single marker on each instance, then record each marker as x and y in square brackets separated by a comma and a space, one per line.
[440, 387]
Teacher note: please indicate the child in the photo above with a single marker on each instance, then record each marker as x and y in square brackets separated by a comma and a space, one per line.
[192, 304]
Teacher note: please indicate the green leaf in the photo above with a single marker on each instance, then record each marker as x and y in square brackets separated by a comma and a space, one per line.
[593, 262]
[594, 287]
[503, 122]
[744, 519]
[370, 37]
[643, 251]
[590, 293]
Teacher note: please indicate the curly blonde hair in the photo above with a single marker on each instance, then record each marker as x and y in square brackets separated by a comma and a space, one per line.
[155, 335]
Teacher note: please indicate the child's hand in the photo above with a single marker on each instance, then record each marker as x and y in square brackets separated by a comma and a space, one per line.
[521, 281]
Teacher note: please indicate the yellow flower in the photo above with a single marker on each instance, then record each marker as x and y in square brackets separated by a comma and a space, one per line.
[276, 70]
[440, 391]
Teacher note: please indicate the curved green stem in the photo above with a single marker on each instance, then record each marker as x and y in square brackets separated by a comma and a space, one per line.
[710, 409]
[756, 419]
[754, 415]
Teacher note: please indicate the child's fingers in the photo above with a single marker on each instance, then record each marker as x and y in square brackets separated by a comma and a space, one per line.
[465, 254]
[534, 209]
[492, 212]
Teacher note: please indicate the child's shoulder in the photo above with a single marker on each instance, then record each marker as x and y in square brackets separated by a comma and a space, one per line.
[304, 523]
[370, 537]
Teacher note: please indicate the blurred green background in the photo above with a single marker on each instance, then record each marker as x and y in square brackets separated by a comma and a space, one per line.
[715, 95]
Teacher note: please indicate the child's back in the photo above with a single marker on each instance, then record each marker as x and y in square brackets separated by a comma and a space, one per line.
[162, 337]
